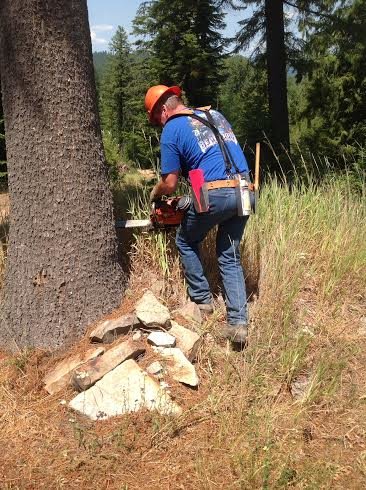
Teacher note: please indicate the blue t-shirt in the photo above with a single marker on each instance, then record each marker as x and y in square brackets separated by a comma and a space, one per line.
[188, 144]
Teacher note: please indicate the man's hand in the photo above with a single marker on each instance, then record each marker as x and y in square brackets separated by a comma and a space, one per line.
[166, 186]
[153, 194]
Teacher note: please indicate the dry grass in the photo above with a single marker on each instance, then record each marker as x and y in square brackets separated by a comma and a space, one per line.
[243, 428]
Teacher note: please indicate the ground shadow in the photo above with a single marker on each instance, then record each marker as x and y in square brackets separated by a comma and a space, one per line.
[251, 267]
[125, 236]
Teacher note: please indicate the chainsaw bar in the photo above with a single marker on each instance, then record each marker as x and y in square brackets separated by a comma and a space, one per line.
[165, 214]
[134, 223]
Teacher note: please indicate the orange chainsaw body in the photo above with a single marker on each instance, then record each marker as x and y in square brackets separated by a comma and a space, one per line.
[165, 213]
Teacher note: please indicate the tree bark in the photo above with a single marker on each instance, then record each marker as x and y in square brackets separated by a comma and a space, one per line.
[62, 271]
[277, 73]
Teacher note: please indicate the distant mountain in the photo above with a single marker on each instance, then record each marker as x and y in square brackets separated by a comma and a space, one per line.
[100, 59]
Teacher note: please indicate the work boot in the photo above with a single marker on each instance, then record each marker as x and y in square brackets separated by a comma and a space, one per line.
[235, 333]
[207, 308]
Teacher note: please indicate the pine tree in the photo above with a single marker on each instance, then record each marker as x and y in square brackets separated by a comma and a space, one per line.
[185, 44]
[242, 101]
[141, 141]
[267, 24]
[124, 82]
[336, 86]
[114, 102]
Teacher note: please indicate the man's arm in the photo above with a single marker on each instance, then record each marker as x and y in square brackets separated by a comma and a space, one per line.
[166, 185]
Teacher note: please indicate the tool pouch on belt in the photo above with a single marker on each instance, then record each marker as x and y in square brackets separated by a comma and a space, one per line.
[246, 176]
[243, 199]
[199, 190]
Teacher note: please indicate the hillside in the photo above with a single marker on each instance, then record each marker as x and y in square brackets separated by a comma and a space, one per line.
[100, 59]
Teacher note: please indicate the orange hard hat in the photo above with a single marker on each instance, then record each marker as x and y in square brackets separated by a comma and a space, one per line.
[154, 94]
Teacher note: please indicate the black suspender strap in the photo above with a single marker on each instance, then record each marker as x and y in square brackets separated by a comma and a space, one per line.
[229, 161]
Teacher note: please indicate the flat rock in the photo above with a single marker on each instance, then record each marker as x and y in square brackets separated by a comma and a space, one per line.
[161, 339]
[137, 336]
[190, 312]
[127, 388]
[109, 330]
[299, 386]
[61, 375]
[178, 365]
[95, 369]
[187, 341]
[152, 313]
[155, 368]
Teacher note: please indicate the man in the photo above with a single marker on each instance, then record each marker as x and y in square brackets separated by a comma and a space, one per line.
[188, 144]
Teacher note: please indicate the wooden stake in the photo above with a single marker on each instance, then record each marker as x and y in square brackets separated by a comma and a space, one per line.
[257, 159]
[256, 175]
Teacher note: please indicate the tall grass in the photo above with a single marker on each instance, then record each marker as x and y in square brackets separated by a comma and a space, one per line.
[309, 237]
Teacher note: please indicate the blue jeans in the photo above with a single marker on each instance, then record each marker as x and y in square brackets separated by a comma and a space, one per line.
[194, 228]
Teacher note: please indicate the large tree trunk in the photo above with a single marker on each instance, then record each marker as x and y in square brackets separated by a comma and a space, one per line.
[277, 73]
[62, 271]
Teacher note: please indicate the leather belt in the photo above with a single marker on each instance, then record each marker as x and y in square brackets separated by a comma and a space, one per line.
[218, 184]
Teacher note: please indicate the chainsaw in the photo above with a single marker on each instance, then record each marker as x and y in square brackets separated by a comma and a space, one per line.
[165, 213]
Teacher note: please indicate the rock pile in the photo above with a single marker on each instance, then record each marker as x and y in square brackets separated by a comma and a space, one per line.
[111, 381]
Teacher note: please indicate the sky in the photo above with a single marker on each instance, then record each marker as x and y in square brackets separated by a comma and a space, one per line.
[106, 15]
